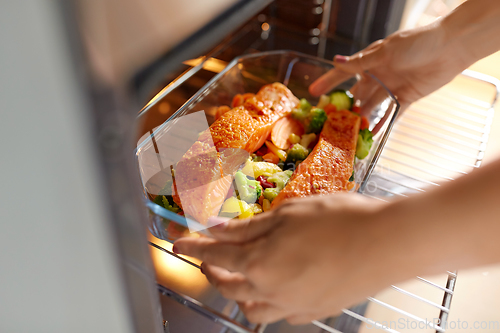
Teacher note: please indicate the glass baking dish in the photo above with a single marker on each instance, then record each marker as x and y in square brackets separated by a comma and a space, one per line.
[158, 152]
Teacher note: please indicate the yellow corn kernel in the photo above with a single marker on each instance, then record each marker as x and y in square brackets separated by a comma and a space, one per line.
[278, 152]
[266, 205]
[294, 138]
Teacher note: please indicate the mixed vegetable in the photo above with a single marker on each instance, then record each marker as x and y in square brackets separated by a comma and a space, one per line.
[312, 118]
[270, 168]
[165, 200]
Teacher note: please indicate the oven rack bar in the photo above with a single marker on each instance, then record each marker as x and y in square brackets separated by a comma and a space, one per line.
[208, 312]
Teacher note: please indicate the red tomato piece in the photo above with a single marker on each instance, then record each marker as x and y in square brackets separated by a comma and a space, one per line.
[330, 108]
[364, 123]
[262, 151]
[264, 183]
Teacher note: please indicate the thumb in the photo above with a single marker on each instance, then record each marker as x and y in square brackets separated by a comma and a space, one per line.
[362, 61]
[243, 230]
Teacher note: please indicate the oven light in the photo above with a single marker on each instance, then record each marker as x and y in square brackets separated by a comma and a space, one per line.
[212, 64]
[176, 274]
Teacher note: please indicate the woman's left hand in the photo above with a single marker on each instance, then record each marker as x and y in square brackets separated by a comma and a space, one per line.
[305, 260]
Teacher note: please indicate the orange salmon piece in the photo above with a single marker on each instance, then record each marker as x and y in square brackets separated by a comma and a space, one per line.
[329, 166]
[238, 128]
[247, 127]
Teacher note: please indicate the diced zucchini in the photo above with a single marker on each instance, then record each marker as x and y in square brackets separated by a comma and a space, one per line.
[364, 144]
[342, 99]
[271, 193]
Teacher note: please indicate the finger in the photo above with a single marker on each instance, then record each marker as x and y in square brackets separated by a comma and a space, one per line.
[328, 81]
[347, 67]
[230, 285]
[262, 313]
[228, 256]
[239, 231]
[364, 60]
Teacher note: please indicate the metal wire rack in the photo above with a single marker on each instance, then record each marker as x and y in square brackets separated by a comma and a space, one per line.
[437, 139]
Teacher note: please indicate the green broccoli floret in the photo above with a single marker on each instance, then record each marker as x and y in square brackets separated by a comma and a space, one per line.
[164, 198]
[280, 179]
[317, 118]
[301, 112]
[173, 208]
[297, 153]
[159, 200]
[365, 141]
[312, 118]
[248, 190]
[167, 202]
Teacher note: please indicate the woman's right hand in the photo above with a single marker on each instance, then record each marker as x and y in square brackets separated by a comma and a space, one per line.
[411, 63]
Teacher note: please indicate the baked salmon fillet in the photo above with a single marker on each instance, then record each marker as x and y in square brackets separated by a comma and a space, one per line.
[204, 174]
[329, 166]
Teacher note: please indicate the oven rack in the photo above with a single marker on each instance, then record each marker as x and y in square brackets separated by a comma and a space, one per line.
[348, 322]
[439, 138]
[456, 126]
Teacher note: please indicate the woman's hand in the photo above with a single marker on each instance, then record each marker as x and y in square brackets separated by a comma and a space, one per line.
[412, 64]
[416, 62]
[313, 256]
[305, 260]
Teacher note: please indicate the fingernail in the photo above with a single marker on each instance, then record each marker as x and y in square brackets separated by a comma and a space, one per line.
[201, 269]
[175, 250]
[340, 59]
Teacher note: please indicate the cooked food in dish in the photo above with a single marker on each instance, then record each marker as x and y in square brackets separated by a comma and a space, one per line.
[204, 175]
[296, 150]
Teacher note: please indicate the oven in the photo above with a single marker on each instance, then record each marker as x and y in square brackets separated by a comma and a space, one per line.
[437, 139]
[415, 158]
